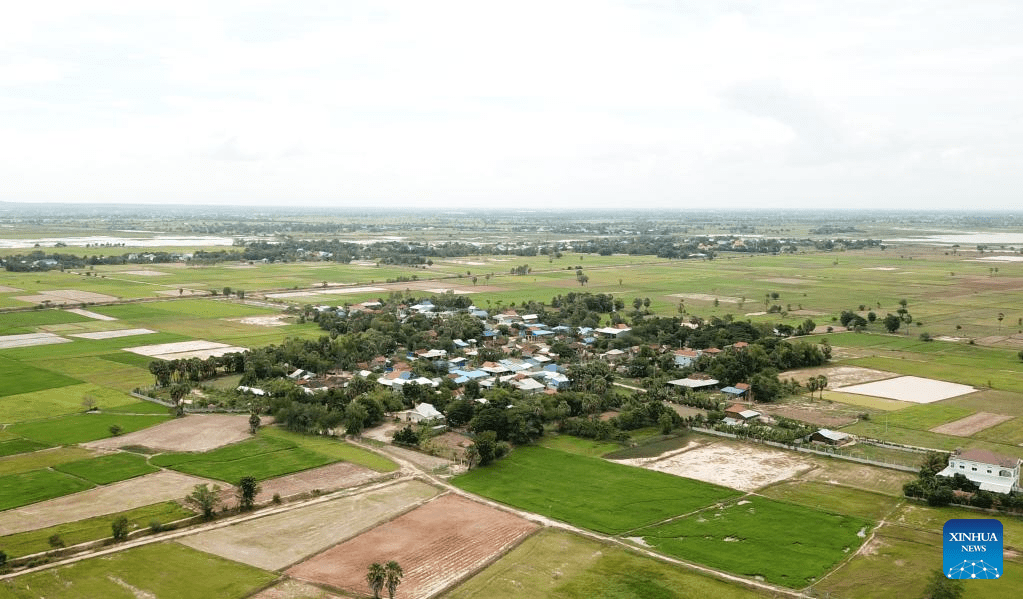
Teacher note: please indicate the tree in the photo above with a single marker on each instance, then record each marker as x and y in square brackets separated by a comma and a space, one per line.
[88, 402]
[891, 323]
[116, 430]
[254, 423]
[177, 395]
[485, 447]
[204, 499]
[3, 559]
[375, 578]
[55, 541]
[355, 418]
[943, 587]
[119, 528]
[822, 384]
[1001, 317]
[248, 488]
[393, 574]
[933, 463]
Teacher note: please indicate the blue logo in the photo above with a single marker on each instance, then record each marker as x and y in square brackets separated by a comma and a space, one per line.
[972, 549]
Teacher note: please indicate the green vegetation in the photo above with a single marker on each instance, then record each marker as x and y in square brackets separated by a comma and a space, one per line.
[28, 322]
[81, 428]
[927, 416]
[577, 445]
[654, 447]
[19, 378]
[59, 401]
[91, 529]
[16, 446]
[562, 565]
[267, 455]
[109, 468]
[837, 499]
[786, 544]
[24, 488]
[161, 570]
[41, 459]
[588, 492]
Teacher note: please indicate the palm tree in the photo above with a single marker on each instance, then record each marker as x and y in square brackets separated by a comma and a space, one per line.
[376, 577]
[393, 574]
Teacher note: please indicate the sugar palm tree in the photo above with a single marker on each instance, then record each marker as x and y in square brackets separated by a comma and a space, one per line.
[392, 575]
[376, 577]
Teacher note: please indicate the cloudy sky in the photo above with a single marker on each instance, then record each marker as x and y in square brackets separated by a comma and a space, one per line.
[640, 104]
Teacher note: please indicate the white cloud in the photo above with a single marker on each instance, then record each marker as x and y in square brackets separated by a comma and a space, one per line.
[583, 103]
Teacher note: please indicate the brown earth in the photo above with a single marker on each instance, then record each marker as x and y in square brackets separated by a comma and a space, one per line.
[279, 540]
[324, 479]
[437, 544]
[819, 416]
[198, 432]
[66, 296]
[840, 376]
[293, 589]
[965, 427]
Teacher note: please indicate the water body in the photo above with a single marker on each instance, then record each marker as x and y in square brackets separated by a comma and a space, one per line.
[966, 239]
[101, 240]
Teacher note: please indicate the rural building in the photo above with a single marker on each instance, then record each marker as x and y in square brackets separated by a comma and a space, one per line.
[991, 471]
[423, 412]
[831, 437]
[692, 383]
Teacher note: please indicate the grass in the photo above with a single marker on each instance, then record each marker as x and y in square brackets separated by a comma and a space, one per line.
[19, 378]
[927, 416]
[578, 445]
[55, 402]
[932, 519]
[108, 469]
[24, 488]
[157, 571]
[836, 499]
[128, 358]
[876, 429]
[90, 529]
[270, 454]
[588, 492]
[16, 446]
[561, 565]
[653, 448]
[17, 323]
[81, 428]
[784, 543]
[864, 401]
[41, 459]
[138, 407]
[333, 448]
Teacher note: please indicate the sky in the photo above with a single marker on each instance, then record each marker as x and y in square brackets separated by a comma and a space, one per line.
[640, 104]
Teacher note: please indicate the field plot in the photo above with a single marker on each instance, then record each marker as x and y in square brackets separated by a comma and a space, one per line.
[185, 349]
[66, 296]
[279, 540]
[837, 499]
[740, 466]
[90, 314]
[323, 479]
[118, 497]
[588, 491]
[859, 476]
[910, 388]
[145, 273]
[971, 425]
[108, 469]
[113, 334]
[28, 322]
[25, 462]
[30, 340]
[278, 320]
[81, 428]
[293, 589]
[37, 485]
[197, 432]
[441, 542]
[16, 446]
[157, 571]
[842, 376]
[786, 544]
[554, 563]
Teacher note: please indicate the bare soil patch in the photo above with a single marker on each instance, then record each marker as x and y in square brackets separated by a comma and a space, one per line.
[707, 298]
[112, 334]
[185, 349]
[277, 320]
[881, 268]
[197, 432]
[965, 427]
[841, 376]
[90, 314]
[30, 339]
[439, 544]
[347, 290]
[145, 273]
[326, 479]
[6, 289]
[291, 294]
[278, 540]
[451, 445]
[182, 292]
[820, 416]
[118, 497]
[685, 411]
[910, 388]
[66, 296]
[744, 467]
[785, 281]
[427, 462]
[807, 312]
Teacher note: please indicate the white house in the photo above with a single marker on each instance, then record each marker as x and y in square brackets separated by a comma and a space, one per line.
[422, 413]
[992, 471]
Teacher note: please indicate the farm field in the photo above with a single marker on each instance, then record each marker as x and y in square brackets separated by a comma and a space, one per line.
[271, 453]
[118, 497]
[195, 432]
[325, 479]
[25, 462]
[561, 565]
[21, 489]
[784, 543]
[586, 491]
[279, 540]
[108, 469]
[440, 543]
[837, 499]
[81, 428]
[157, 571]
[90, 529]
[577, 445]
